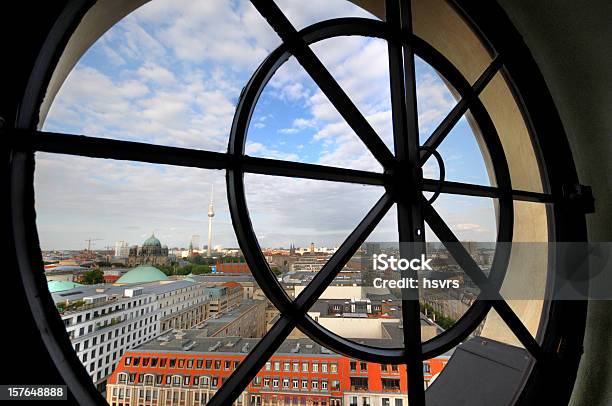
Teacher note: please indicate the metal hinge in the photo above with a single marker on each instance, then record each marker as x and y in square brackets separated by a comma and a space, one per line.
[581, 196]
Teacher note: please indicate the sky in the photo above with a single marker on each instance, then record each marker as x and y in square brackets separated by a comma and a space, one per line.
[171, 74]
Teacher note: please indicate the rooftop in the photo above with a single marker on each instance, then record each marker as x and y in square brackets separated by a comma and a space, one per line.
[61, 286]
[194, 341]
[216, 323]
[142, 274]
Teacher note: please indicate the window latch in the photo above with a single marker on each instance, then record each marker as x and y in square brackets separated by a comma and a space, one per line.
[581, 196]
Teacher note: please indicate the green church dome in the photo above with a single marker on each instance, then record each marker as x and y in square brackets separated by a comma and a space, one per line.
[152, 241]
[60, 286]
[143, 274]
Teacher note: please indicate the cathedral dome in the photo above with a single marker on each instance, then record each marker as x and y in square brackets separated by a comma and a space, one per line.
[152, 241]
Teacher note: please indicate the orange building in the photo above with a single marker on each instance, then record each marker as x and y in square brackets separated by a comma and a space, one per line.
[232, 267]
[189, 370]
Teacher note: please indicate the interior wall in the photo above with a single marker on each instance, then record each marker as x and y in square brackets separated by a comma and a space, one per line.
[571, 41]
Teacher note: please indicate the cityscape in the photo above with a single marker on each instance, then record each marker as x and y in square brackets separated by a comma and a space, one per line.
[308, 203]
[142, 261]
[154, 324]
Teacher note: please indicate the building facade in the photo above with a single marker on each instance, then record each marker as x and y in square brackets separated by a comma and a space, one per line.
[103, 321]
[188, 371]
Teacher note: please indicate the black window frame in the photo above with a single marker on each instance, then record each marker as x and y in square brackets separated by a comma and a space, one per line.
[567, 218]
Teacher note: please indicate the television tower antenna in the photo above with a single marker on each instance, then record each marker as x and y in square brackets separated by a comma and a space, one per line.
[211, 214]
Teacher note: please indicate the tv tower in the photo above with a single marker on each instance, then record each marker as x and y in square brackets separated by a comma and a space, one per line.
[211, 214]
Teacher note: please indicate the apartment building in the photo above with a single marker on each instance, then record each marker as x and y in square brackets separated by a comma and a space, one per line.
[187, 369]
[103, 321]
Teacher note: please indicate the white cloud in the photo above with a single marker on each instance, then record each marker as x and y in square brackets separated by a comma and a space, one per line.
[156, 74]
[180, 66]
[260, 150]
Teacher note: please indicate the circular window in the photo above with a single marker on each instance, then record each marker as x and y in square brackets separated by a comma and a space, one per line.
[493, 92]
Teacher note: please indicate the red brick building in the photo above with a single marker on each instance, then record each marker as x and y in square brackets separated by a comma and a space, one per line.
[189, 370]
[232, 267]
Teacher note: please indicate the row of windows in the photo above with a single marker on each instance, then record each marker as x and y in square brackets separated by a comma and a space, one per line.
[169, 380]
[256, 400]
[171, 395]
[294, 366]
[154, 362]
[295, 384]
[362, 383]
[120, 341]
[365, 401]
[99, 312]
[92, 328]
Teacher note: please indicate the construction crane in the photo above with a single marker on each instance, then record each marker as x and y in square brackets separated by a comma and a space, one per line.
[89, 240]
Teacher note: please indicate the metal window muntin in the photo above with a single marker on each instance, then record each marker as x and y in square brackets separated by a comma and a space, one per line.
[563, 224]
[238, 205]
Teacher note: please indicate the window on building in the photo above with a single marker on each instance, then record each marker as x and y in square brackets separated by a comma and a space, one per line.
[390, 384]
[359, 383]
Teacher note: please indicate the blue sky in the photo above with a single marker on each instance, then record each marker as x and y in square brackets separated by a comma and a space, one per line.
[171, 73]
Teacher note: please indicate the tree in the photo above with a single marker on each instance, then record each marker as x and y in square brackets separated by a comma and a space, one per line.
[92, 277]
[195, 269]
[198, 259]
[167, 269]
